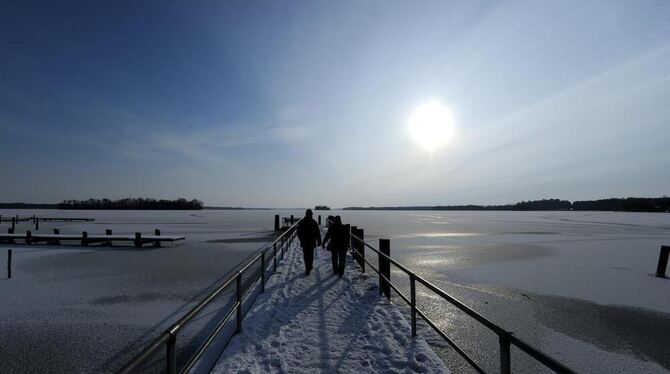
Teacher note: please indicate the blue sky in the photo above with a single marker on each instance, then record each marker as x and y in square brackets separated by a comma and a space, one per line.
[285, 104]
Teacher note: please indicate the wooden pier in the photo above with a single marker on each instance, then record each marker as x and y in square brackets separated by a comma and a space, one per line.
[83, 239]
[44, 219]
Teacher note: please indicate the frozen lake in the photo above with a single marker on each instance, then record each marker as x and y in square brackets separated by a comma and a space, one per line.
[575, 284]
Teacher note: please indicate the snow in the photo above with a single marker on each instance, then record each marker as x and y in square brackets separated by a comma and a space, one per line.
[303, 324]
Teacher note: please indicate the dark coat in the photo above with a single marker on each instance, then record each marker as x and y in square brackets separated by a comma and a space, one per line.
[338, 236]
[309, 233]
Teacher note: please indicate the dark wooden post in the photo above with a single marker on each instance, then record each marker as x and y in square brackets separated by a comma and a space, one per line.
[33, 219]
[263, 271]
[157, 232]
[319, 220]
[277, 228]
[9, 264]
[108, 232]
[37, 223]
[13, 225]
[138, 240]
[29, 236]
[171, 354]
[56, 241]
[84, 239]
[361, 249]
[348, 230]
[353, 230]
[662, 261]
[505, 357]
[385, 268]
[238, 311]
[291, 219]
[274, 258]
[412, 301]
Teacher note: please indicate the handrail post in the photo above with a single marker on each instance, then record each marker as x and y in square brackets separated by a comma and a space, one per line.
[505, 359]
[171, 354]
[274, 258]
[384, 268]
[263, 271]
[354, 243]
[412, 290]
[361, 249]
[239, 302]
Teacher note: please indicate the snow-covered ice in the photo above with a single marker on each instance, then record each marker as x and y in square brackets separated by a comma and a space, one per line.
[303, 324]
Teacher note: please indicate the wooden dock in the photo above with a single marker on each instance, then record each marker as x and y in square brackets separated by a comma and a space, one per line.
[83, 239]
[44, 219]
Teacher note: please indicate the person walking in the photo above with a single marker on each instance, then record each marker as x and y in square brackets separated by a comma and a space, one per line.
[337, 238]
[309, 235]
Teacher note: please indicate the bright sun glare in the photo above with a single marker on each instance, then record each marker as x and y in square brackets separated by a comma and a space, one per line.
[431, 125]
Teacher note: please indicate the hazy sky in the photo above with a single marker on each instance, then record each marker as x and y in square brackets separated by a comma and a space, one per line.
[285, 104]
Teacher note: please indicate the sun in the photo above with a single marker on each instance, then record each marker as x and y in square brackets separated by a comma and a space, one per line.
[431, 125]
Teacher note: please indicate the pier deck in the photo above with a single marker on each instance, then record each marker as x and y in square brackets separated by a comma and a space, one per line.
[321, 323]
[137, 241]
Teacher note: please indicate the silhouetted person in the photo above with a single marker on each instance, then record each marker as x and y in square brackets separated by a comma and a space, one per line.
[309, 235]
[338, 243]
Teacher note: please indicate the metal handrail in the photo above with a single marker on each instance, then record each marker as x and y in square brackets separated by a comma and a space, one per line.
[505, 338]
[169, 336]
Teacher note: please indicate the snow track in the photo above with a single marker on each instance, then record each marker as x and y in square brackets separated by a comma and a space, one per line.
[324, 324]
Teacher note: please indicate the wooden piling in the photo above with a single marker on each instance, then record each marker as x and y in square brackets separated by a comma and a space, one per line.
[319, 220]
[385, 268]
[108, 232]
[277, 227]
[13, 225]
[37, 223]
[138, 240]
[29, 236]
[84, 239]
[9, 264]
[157, 232]
[56, 241]
[662, 261]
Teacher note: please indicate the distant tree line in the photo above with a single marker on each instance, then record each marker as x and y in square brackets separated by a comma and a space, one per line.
[27, 206]
[132, 204]
[630, 204]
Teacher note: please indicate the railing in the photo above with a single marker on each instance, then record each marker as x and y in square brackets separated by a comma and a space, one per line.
[168, 339]
[505, 338]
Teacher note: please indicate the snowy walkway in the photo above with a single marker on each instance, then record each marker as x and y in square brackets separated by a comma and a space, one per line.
[324, 324]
